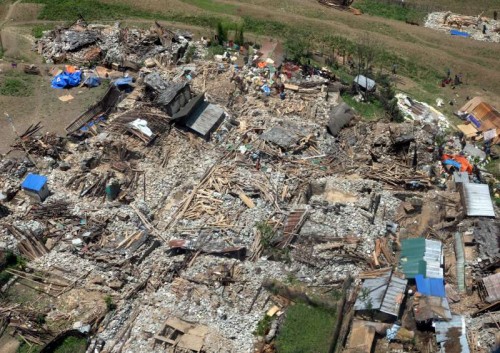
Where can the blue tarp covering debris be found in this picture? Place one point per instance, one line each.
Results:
(453, 163)
(430, 286)
(93, 81)
(34, 182)
(455, 32)
(66, 80)
(123, 82)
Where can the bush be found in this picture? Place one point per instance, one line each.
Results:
(110, 305)
(263, 326)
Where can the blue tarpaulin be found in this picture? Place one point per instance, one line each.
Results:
(453, 163)
(93, 81)
(474, 121)
(430, 286)
(123, 82)
(455, 32)
(66, 80)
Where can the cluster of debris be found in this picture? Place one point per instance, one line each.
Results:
(85, 44)
(174, 213)
(476, 27)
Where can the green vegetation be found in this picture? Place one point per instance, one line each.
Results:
(72, 345)
(267, 234)
(17, 84)
(213, 6)
(110, 304)
(11, 261)
(190, 53)
(26, 348)
(387, 10)
(38, 30)
(306, 330)
(263, 326)
(372, 110)
(387, 98)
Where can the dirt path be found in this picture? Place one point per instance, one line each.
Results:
(9, 13)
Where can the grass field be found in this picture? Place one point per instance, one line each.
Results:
(306, 330)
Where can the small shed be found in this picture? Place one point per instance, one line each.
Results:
(364, 83)
(35, 186)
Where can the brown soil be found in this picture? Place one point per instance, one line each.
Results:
(25, 12)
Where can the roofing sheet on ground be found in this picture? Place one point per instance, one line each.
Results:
(430, 286)
(477, 200)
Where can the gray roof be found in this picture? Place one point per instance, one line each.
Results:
(205, 119)
(365, 82)
(477, 200)
(461, 177)
(394, 296)
(433, 257)
(443, 332)
(384, 293)
(167, 96)
(283, 137)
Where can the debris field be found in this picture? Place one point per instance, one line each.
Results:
(159, 222)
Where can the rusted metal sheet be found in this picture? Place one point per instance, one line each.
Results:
(292, 226)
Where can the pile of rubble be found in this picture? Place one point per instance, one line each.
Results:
(175, 209)
(476, 27)
(82, 44)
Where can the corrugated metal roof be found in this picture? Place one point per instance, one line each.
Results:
(431, 308)
(384, 293)
(394, 296)
(372, 293)
(477, 200)
(460, 255)
(430, 286)
(365, 82)
(421, 256)
(451, 330)
(34, 182)
(492, 285)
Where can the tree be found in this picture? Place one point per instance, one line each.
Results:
(221, 33)
(297, 48)
(387, 97)
(239, 38)
(365, 52)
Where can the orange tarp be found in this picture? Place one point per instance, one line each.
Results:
(465, 166)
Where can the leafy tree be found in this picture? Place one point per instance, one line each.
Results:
(298, 48)
(221, 33)
(239, 37)
(387, 98)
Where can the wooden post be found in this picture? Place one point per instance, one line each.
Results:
(9, 119)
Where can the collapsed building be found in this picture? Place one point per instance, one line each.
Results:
(177, 201)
